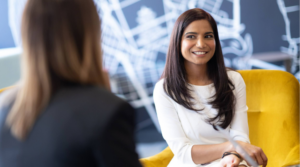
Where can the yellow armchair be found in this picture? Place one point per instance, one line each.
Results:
(273, 117)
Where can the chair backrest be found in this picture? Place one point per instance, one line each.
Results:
(273, 115)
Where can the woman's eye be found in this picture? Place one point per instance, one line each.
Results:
(191, 36)
(209, 36)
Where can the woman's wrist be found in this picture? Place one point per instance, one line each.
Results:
(232, 153)
(227, 147)
(230, 147)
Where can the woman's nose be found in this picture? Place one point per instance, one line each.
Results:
(201, 43)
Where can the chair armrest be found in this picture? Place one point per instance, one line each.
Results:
(161, 159)
(292, 158)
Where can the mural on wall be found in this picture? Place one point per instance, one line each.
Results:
(293, 42)
(134, 49)
(135, 35)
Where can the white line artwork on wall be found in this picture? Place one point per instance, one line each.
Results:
(134, 53)
(293, 48)
(130, 53)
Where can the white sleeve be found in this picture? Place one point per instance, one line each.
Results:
(239, 129)
(171, 126)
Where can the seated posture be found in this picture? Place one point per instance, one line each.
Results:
(196, 93)
(61, 113)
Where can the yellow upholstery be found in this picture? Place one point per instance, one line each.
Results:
(273, 117)
(161, 159)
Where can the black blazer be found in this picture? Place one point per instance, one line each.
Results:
(83, 126)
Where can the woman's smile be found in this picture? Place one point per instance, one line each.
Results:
(199, 53)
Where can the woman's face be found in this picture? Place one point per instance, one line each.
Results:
(198, 43)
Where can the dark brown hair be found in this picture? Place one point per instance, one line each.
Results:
(175, 76)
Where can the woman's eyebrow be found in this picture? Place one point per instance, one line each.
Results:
(190, 33)
(209, 32)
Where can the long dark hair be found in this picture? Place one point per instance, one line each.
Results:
(175, 76)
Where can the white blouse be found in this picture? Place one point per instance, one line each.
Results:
(182, 128)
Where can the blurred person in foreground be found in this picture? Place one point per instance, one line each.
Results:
(61, 113)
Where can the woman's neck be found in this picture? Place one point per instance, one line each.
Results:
(197, 74)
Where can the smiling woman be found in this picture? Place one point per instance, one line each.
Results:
(196, 93)
(195, 30)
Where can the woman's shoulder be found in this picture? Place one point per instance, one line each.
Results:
(234, 75)
(160, 82)
(159, 90)
(95, 94)
(94, 104)
(159, 85)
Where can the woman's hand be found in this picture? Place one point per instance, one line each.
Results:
(255, 152)
(230, 161)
